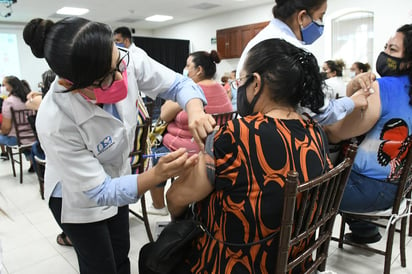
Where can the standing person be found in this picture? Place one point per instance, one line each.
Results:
(241, 203)
(123, 38)
(86, 125)
(335, 86)
(387, 125)
(201, 68)
(16, 100)
(300, 22)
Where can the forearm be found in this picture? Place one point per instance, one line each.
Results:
(336, 110)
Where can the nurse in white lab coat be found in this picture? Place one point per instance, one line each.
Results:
(86, 127)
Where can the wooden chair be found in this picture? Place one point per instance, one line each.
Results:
(309, 211)
(399, 212)
(138, 166)
(41, 168)
(223, 117)
(25, 138)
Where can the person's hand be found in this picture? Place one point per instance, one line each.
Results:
(174, 164)
(360, 98)
(200, 125)
(361, 81)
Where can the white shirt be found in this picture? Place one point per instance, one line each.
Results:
(332, 110)
(275, 29)
(335, 86)
(84, 144)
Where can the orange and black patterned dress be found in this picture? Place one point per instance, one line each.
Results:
(252, 156)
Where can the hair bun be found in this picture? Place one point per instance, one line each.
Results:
(215, 57)
(35, 33)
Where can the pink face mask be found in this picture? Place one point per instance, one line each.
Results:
(114, 94)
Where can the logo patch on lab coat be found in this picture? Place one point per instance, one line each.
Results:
(104, 144)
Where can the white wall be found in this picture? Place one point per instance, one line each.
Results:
(31, 67)
(388, 17)
(200, 32)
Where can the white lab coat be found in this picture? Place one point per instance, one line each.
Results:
(83, 143)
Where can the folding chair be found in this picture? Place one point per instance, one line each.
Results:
(222, 118)
(400, 210)
(309, 212)
(25, 138)
(138, 166)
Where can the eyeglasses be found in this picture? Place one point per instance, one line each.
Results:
(237, 82)
(107, 81)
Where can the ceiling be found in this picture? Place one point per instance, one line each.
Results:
(125, 12)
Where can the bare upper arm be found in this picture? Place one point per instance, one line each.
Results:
(359, 121)
(191, 187)
(5, 126)
(169, 110)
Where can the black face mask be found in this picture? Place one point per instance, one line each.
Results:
(244, 108)
(387, 65)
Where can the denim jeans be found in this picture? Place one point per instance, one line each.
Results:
(101, 247)
(36, 151)
(364, 194)
(8, 140)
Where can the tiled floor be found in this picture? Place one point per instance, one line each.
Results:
(28, 239)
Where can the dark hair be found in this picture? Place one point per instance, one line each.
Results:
(207, 61)
(286, 8)
(336, 66)
(406, 30)
(124, 32)
(363, 67)
(17, 87)
(47, 78)
(26, 85)
(291, 74)
(75, 48)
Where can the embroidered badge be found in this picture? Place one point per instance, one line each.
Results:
(104, 144)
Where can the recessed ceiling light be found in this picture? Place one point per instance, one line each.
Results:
(158, 18)
(72, 11)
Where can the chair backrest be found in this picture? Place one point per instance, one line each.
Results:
(24, 132)
(222, 118)
(405, 182)
(141, 146)
(309, 212)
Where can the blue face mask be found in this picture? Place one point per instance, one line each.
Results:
(311, 32)
(120, 45)
(185, 73)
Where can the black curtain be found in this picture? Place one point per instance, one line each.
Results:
(170, 52)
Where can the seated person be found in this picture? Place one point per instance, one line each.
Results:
(358, 68)
(33, 102)
(387, 125)
(242, 202)
(201, 68)
(335, 86)
(16, 100)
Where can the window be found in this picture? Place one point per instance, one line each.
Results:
(352, 38)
